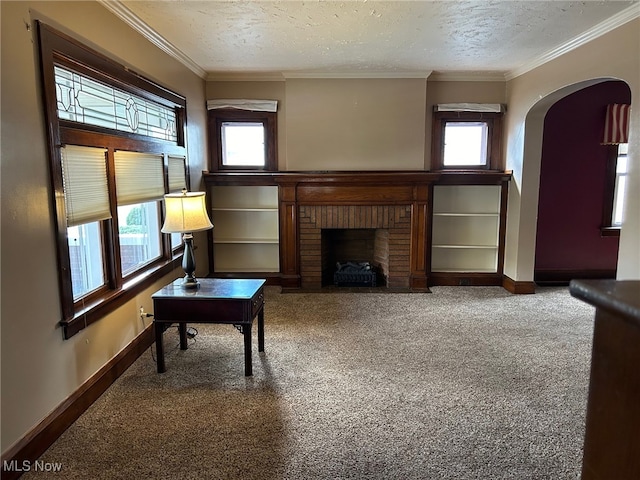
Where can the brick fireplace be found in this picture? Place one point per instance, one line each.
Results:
(390, 249)
(394, 205)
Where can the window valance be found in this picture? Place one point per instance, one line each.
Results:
(470, 107)
(244, 104)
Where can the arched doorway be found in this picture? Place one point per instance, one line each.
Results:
(571, 195)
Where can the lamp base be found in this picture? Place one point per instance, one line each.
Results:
(190, 282)
(189, 263)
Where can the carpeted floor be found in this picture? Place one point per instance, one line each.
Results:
(461, 383)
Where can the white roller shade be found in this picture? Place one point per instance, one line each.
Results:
(244, 104)
(86, 192)
(139, 177)
(177, 174)
(470, 107)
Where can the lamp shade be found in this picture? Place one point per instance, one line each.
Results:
(185, 212)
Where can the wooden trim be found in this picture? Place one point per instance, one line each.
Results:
(35, 442)
(215, 119)
(518, 287)
(464, 279)
(563, 277)
(116, 298)
(58, 48)
(396, 177)
(502, 233)
(494, 144)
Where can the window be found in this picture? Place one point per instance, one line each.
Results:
(116, 146)
(467, 140)
(243, 144)
(242, 140)
(616, 181)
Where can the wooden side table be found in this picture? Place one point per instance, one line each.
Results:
(231, 301)
(612, 436)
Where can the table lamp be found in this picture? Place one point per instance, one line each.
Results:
(186, 213)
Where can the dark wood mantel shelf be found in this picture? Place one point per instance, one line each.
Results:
(261, 177)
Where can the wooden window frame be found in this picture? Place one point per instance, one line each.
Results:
(57, 48)
(216, 117)
(494, 141)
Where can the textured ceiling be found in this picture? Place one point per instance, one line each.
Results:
(368, 37)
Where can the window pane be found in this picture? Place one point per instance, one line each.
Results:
(623, 149)
(139, 231)
(621, 163)
(465, 143)
(85, 252)
(618, 200)
(176, 240)
(243, 144)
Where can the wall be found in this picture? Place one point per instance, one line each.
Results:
(572, 186)
(356, 123)
(40, 369)
(614, 55)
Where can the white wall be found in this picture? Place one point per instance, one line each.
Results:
(614, 55)
(40, 369)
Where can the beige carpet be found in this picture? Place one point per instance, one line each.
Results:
(461, 383)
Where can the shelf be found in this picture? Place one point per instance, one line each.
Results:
(466, 199)
(246, 270)
(490, 247)
(238, 198)
(465, 270)
(453, 214)
(246, 257)
(242, 209)
(246, 240)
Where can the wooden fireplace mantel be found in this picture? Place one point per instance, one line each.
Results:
(412, 189)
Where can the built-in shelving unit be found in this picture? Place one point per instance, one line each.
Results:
(245, 234)
(466, 230)
(455, 235)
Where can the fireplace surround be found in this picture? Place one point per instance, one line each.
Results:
(393, 204)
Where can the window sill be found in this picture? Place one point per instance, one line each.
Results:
(609, 231)
(116, 298)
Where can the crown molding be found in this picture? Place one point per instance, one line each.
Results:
(626, 15)
(135, 22)
(467, 77)
(244, 77)
(356, 74)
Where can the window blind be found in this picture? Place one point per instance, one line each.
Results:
(84, 176)
(177, 174)
(139, 177)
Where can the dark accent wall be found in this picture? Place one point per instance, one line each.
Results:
(572, 187)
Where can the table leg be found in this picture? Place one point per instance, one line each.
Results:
(261, 330)
(182, 330)
(248, 365)
(159, 330)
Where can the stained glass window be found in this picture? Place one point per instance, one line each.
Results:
(84, 100)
